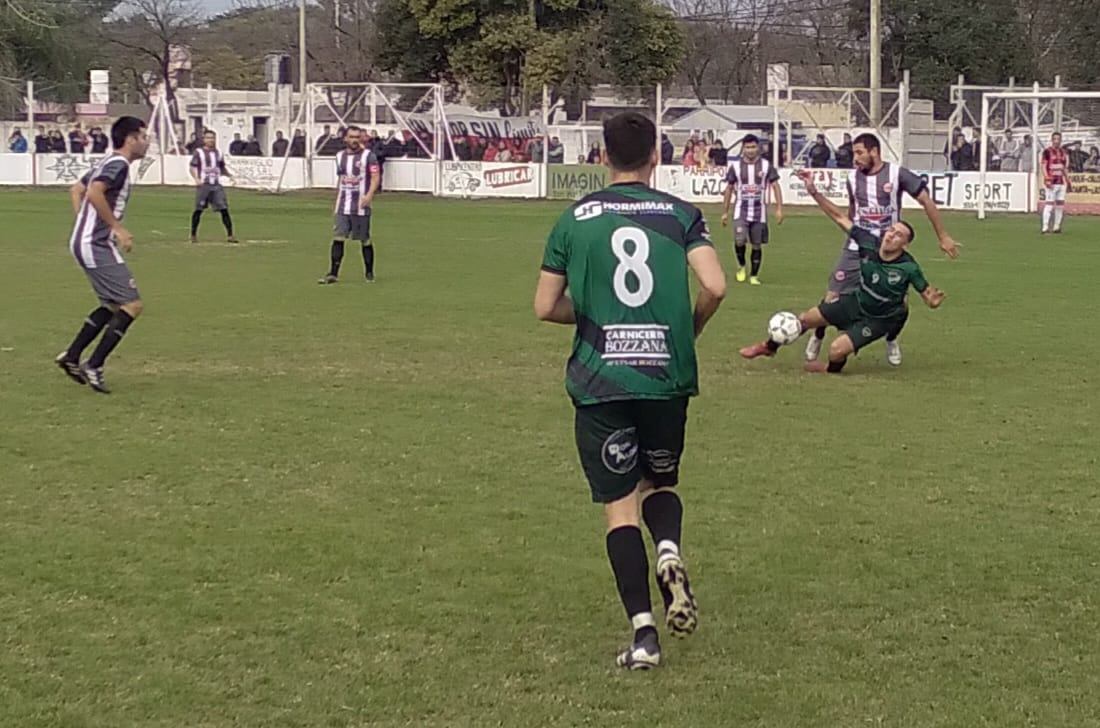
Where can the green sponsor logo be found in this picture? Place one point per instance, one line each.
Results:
(574, 181)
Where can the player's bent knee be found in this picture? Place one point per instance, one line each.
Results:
(840, 348)
(134, 308)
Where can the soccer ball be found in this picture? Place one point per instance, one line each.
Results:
(784, 328)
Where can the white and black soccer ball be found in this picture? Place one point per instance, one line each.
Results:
(784, 328)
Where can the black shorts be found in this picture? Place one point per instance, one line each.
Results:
(745, 233)
(352, 227)
(846, 315)
(620, 443)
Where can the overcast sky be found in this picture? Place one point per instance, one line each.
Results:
(216, 6)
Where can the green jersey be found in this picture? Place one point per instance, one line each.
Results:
(623, 251)
(883, 285)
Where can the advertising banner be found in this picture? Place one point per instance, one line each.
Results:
(1083, 197)
(574, 181)
(490, 179)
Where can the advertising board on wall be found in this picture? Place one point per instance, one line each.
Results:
(490, 179)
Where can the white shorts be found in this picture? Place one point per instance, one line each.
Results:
(1056, 193)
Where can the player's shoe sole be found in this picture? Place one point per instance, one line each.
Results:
(232, 239)
(327, 280)
(813, 348)
(71, 368)
(741, 275)
(681, 610)
(94, 377)
(644, 655)
(893, 353)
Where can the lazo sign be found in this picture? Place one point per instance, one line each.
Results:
(574, 181)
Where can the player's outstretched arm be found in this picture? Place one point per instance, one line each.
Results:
(933, 296)
(704, 262)
(551, 303)
(833, 212)
(947, 243)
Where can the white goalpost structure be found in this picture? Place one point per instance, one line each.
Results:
(408, 107)
(1044, 104)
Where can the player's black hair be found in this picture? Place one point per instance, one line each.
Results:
(869, 142)
(630, 140)
(912, 232)
(353, 127)
(209, 131)
(123, 128)
(750, 139)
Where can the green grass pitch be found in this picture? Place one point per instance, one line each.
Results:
(360, 505)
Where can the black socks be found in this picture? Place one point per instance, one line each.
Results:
(368, 258)
(228, 222)
(627, 554)
(663, 514)
(757, 257)
(740, 251)
(337, 257)
(196, 216)
(835, 367)
(92, 326)
(116, 329)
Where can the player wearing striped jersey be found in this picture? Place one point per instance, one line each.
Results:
(624, 254)
(752, 178)
(873, 310)
(358, 175)
(207, 169)
(97, 243)
(875, 192)
(1055, 166)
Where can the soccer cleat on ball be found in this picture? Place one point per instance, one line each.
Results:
(784, 328)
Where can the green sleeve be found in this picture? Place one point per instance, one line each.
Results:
(698, 233)
(555, 258)
(863, 238)
(917, 279)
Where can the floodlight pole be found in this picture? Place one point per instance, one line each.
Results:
(876, 61)
(302, 48)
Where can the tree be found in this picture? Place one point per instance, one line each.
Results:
(152, 33)
(504, 51)
(936, 40)
(43, 41)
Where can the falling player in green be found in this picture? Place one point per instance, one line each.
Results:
(875, 309)
(624, 254)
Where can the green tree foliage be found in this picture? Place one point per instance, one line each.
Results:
(45, 42)
(503, 51)
(936, 40)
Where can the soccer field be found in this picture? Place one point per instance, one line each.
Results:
(360, 505)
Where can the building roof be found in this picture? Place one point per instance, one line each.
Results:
(725, 116)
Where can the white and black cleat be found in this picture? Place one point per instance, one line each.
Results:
(893, 353)
(681, 611)
(95, 380)
(71, 368)
(644, 654)
(813, 347)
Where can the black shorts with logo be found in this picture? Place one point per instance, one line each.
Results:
(745, 233)
(847, 316)
(620, 443)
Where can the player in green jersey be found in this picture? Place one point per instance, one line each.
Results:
(624, 254)
(876, 308)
